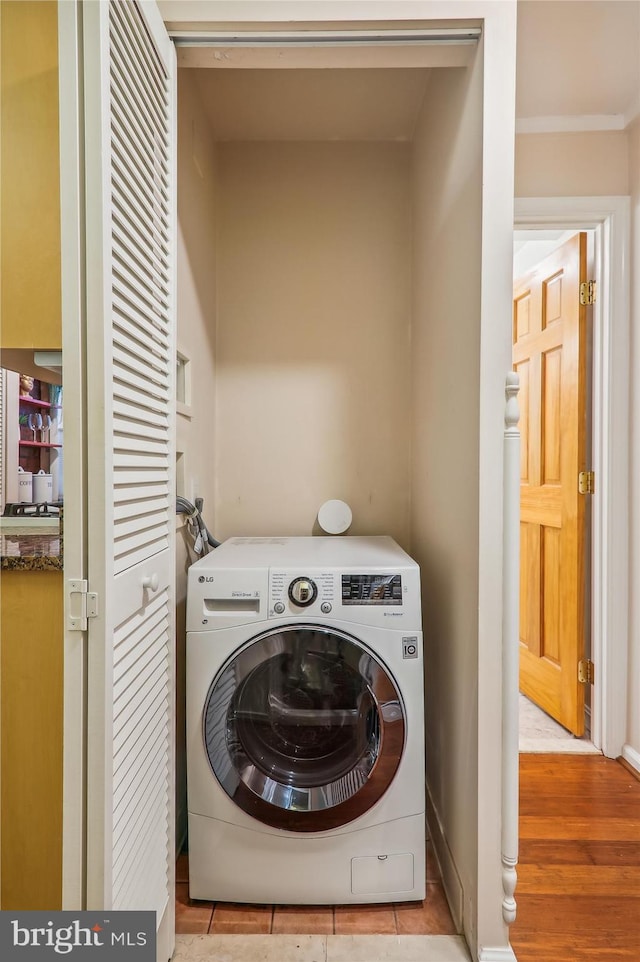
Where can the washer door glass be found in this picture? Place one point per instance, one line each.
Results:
(304, 728)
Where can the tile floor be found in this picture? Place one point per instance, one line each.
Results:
(321, 948)
(431, 917)
(540, 733)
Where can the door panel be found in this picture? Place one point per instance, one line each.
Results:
(549, 353)
(130, 189)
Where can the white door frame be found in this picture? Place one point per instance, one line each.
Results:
(609, 217)
(75, 407)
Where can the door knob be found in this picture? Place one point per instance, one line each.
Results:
(151, 582)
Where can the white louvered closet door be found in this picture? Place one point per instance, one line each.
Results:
(129, 72)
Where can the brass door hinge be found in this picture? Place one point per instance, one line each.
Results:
(586, 671)
(588, 292)
(586, 482)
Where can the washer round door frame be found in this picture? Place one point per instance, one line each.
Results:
(247, 728)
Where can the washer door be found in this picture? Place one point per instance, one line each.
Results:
(304, 728)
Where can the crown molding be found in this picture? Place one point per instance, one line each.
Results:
(572, 123)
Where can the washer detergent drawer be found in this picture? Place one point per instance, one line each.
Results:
(377, 874)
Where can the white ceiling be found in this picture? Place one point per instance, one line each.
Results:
(578, 58)
(337, 104)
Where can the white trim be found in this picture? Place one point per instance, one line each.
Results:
(609, 217)
(497, 955)
(450, 878)
(194, 14)
(9, 447)
(495, 360)
(74, 405)
(157, 30)
(95, 47)
(632, 756)
(570, 123)
(510, 645)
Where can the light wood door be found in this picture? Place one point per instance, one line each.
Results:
(549, 354)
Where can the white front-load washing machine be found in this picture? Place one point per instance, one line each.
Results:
(305, 722)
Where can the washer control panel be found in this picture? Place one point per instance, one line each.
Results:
(342, 594)
(365, 581)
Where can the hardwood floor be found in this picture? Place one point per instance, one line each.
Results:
(578, 888)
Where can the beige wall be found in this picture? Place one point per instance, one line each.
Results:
(572, 165)
(445, 441)
(313, 336)
(197, 224)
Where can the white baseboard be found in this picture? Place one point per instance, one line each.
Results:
(632, 756)
(497, 955)
(450, 878)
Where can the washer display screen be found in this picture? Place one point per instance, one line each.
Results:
(371, 590)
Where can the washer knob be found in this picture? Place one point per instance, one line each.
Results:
(303, 592)
(278, 607)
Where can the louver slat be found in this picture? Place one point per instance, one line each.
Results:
(132, 132)
(142, 261)
(152, 338)
(145, 367)
(144, 63)
(123, 411)
(137, 307)
(126, 500)
(133, 100)
(134, 276)
(146, 214)
(130, 772)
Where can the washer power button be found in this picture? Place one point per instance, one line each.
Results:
(278, 607)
